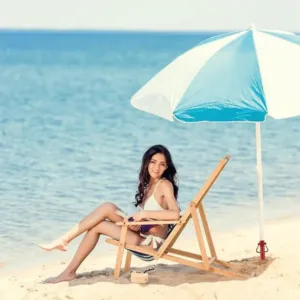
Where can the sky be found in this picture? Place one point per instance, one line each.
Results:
(162, 15)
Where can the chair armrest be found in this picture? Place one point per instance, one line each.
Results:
(149, 222)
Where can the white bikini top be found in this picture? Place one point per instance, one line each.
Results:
(151, 203)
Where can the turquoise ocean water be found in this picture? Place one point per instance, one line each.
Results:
(70, 140)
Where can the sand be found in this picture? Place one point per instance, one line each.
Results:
(276, 278)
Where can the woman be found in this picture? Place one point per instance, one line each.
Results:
(156, 198)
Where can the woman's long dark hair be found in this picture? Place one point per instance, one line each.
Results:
(170, 173)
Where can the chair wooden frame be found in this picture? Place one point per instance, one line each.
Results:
(209, 263)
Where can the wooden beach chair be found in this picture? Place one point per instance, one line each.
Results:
(200, 261)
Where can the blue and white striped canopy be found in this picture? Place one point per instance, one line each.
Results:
(240, 76)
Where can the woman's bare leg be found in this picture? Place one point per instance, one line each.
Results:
(88, 244)
(104, 211)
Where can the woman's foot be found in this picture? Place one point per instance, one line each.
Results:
(58, 245)
(64, 276)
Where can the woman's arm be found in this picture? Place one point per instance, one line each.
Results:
(160, 214)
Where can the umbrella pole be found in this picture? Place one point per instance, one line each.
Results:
(261, 248)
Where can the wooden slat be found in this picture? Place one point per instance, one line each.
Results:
(121, 244)
(198, 266)
(228, 273)
(142, 249)
(223, 263)
(127, 261)
(170, 240)
(207, 231)
(148, 251)
(211, 180)
(199, 236)
(149, 223)
(185, 253)
(210, 261)
(197, 256)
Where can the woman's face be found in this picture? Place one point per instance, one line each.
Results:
(157, 166)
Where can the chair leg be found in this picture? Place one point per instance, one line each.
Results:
(120, 252)
(128, 261)
(207, 231)
(199, 236)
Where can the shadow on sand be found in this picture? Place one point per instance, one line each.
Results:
(175, 274)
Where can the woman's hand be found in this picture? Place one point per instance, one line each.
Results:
(134, 227)
(138, 216)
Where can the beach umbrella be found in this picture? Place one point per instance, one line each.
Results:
(239, 76)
